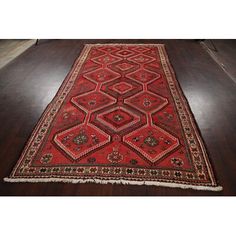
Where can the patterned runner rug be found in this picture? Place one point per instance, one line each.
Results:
(119, 117)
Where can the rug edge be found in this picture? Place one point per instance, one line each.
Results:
(193, 120)
(71, 70)
(120, 181)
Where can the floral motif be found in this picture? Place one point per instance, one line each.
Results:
(129, 171)
(136, 139)
(154, 172)
(147, 102)
(46, 158)
(118, 117)
(177, 162)
(92, 102)
(95, 139)
(133, 162)
(65, 115)
(190, 176)
(81, 139)
(178, 174)
(91, 159)
(115, 156)
(151, 141)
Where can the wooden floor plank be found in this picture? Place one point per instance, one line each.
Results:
(12, 48)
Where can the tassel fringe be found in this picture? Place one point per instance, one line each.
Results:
(120, 181)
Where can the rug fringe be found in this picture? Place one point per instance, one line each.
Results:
(120, 181)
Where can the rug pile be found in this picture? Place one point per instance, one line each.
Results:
(119, 117)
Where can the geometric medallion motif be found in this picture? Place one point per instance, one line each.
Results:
(93, 101)
(143, 76)
(124, 66)
(101, 75)
(106, 59)
(152, 141)
(80, 140)
(122, 87)
(119, 117)
(125, 53)
(147, 102)
(143, 59)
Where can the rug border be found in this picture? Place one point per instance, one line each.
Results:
(105, 181)
(192, 119)
(85, 50)
(47, 109)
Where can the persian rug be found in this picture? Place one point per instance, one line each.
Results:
(119, 117)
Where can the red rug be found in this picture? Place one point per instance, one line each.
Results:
(119, 117)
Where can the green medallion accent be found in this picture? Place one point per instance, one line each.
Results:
(151, 141)
(81, 139)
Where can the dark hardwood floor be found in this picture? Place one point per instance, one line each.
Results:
(224, 53)
(29, 83)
